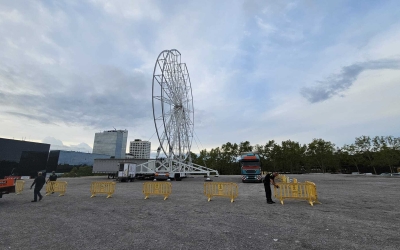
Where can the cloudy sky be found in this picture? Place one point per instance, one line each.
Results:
(260, 69)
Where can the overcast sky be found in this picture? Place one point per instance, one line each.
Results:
(260, 70)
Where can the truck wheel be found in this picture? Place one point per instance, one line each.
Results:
(177, 177)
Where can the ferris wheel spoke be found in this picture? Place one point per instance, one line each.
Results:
(164, 100)
(169, 94)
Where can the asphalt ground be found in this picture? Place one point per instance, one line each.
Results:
(357, 212)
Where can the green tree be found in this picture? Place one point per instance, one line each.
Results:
(230, 152)
(366, 149)
(293, 154)
(245, 147)
(321, 153)
(265, 152)
(277, 158)
(229, 157)
(350, 154)
(387, 151)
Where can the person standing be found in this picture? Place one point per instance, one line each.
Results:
(38, 182)
(52, 177)
(269, 180)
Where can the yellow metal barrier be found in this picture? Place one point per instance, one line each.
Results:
(312, 190)
(56, 186)
(295, 190)
(279, 178)
(224, 189)
(283, 178)
(157, 188)
(102, 187)
(19, 186)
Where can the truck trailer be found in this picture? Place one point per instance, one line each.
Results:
(111, 166)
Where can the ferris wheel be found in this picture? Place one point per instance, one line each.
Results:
(173, 105)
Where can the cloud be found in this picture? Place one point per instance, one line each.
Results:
(74, 68)
(110, 97)
(138, 9)
(338, 83)
(266, 27)
(39, 118)
(56, 144)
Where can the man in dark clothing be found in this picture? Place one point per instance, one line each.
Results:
(268, 180)
(38, 182)
(52, 177)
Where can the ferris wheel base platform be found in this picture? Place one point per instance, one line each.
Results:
(173, 169)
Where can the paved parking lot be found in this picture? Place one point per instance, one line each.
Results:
(357, 212)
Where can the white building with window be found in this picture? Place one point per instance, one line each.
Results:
(140, 149)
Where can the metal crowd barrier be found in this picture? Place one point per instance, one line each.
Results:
(283, 178)
(56, 186)
(102, 187)
(312, 190)
(19, 186)
(224, 189)
(157, 188)
(299, 191)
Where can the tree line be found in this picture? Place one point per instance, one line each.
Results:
(366, 155)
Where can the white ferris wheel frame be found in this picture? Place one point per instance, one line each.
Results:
(172, 103)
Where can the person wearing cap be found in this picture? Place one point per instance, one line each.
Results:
(269, 180)
(52, 177)
(38, 183)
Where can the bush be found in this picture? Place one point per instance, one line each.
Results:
(79, 171)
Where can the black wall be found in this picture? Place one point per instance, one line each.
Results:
(22, 157)
(52, 163)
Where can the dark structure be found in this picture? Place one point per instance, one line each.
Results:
(22, 158)
(62, 161)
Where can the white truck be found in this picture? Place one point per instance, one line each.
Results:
(126, 172)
